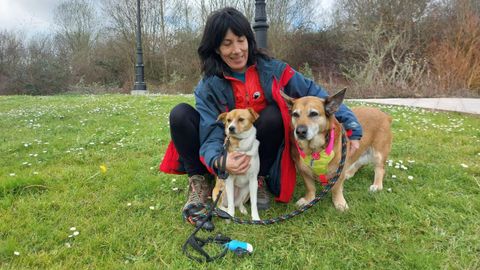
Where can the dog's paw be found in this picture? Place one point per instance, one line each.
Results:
(243, 210)
(341, 205)
(375, 188)
(302, 202)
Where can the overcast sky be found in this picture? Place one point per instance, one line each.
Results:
(31, 16)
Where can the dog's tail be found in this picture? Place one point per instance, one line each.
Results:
(390, 118)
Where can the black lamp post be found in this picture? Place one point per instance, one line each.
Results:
(260, 26)
(139, 88)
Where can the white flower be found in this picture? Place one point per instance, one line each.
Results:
(16, 253)
(389, 189)
(464, 165)
(35, 173)
(175, 189)
(174, 180)
(152, 207)
(75, 233)
(394, 176)
(411, 161)
(68, 245)
(410, 177)
(73, 229)
(12, 174)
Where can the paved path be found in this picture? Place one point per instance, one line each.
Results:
(464, 105)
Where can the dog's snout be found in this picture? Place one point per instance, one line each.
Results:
(301, 132)
(231, 129)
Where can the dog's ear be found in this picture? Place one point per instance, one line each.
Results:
(222, 116)
(254, 114)
(332, 103)
(288, 100)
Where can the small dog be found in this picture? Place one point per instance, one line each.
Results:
(314, 122)
(241, 136)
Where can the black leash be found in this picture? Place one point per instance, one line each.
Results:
(198, 243)
(205, 222)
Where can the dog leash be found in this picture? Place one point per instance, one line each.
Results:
(203, 221)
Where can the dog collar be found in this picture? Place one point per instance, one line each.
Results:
(319, 161)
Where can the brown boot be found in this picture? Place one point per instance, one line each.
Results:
(199, 190)
(263, 196)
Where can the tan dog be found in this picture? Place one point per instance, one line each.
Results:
(241, 135)
(312, 121)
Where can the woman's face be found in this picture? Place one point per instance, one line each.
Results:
(234, 51)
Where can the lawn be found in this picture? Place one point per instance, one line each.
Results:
(80, 188)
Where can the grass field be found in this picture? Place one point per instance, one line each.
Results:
(80, 189)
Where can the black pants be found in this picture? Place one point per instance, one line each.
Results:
(184, 122)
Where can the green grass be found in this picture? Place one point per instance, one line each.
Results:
(51, 149)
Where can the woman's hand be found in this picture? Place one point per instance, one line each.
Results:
(353, 146)
(237, 163)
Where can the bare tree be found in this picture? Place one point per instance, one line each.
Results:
(77, 24)
(77, 35)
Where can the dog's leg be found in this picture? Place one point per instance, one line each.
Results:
(240, 199)
(310, 190)
(364, 159)
(379, 162)
(230, 189)
(253, 186)
(337, 195)
(381, 148)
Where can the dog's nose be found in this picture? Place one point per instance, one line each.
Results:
(301, 132)
(231, 129)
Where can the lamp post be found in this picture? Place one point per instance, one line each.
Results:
(139, 88)
(260, 26)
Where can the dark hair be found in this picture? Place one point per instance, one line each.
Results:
(216, 28)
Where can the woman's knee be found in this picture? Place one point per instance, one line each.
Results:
(270, 119)
(182, 114)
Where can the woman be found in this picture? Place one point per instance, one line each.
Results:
(238, 75)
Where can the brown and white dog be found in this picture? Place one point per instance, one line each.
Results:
(241, 134)
(313, 120)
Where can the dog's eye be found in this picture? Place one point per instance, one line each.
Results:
(240, 120)
(295, 114)
(313, 114)
(229, 120)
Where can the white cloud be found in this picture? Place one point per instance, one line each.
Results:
(27, 15)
